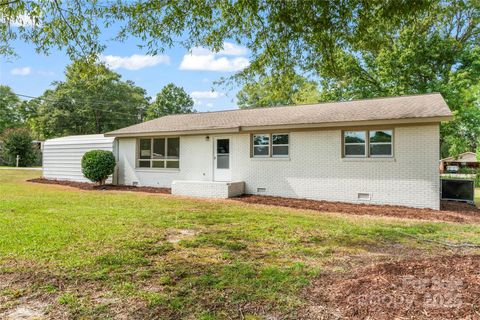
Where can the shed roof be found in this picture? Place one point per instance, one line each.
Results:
(80, 139)
(416, 108)
(470, 157)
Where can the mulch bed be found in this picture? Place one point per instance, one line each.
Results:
(445, 287)
(92, 186)
(451, 211)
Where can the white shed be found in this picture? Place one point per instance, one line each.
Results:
(62, 157)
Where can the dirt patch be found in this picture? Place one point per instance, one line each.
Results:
(175, 236)
(446, 287)
(92, 186)
(27, 311)
(451, 211)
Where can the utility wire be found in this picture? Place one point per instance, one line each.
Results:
(98, 109)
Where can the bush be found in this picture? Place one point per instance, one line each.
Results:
(18, 142)
(97, 165)
(467, 170)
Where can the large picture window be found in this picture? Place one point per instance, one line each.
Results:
(270, 145)
(159, 153)
(368, 143)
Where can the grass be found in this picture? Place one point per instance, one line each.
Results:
(116, 245)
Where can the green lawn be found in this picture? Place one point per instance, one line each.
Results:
(97, 254)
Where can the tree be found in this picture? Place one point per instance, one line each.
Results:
(92, 99)
(170, 100)
(463, 133)
(278, 90)
(279, 33)
(18, 142)
(9, 104)
(354, 48)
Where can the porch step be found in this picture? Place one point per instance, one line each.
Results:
(208, 189)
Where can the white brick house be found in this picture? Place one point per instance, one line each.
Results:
(381, 151)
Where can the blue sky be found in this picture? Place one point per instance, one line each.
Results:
(195, 71)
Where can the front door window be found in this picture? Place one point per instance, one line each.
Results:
(223, 153)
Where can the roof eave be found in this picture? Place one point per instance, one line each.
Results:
(172, 133)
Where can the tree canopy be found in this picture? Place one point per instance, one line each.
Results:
(9, 108)
(92, 99)
(351, 49)
(170, 100)
(272, 91)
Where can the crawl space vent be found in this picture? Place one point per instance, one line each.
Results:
(364, 196)
(261, 190)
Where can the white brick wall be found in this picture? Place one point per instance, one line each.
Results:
(315, 169)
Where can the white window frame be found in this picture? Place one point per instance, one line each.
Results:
(270, 145)
(355, 144)
(280, 145)
(368, 143)
(165, 160)
(261, 145)
(380, 143)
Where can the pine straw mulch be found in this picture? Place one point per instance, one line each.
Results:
(450, 211)
(445, 287)
(92, 186)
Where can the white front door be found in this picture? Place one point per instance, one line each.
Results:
(221, 160)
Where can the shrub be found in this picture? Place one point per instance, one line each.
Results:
(18, 142)
(466, 170)
(97, 165)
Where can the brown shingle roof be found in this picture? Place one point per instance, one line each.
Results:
(430, 107)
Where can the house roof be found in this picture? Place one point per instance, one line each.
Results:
(415, 108)
(463, 157)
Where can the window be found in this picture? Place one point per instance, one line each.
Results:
(378, 144)
(261, 145)
(279, 145)
(159, 153)
(355, 145)
(270, 145)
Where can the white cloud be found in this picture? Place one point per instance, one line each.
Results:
(202, 59)
(134, 62)
(211, 63)
(23, 20)
(24, 71)
(206, 94)
(232, 49)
